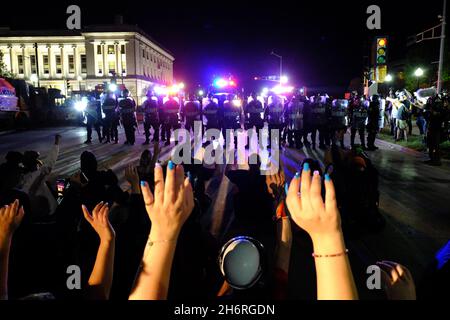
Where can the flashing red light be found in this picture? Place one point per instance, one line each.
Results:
(231, 83)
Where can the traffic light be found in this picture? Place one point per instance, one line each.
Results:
(68, 85)
(381, 53)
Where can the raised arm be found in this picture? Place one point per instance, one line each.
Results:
(100, 280)
(168, 210)
(51, 158)
(322, 222)
(10, 218)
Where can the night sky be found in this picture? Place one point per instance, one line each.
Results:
(323, 43)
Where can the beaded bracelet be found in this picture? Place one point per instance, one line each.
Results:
(151, 243)
(330, 255)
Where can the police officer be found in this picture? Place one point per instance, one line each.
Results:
(93, 118)
(318, 121)
(254, 111)
(294, 121)
(373, 118)
(338, 121)
(191, 112)
(171, 111)
(127, 107)
(109, 107)
(274, 115)
(435, 108)
(232, 116)
(211, 113)
(151, 117)
(358, 122)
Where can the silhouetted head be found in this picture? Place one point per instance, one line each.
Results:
(88, 163)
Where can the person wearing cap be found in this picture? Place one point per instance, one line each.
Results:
(36, 172)
(110, 124)
(127, 107)
(171, 110)
(93, 118)
(373, 117)
(151, 118)
(191, 112)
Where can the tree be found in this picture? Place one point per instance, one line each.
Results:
(4, 72)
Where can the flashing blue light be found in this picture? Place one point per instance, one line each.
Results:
(220, 83)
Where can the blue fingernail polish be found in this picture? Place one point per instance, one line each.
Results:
(297, 175)
(327, 177)
(189, 175)
(142, 183)
(171, 165)
(306, 166)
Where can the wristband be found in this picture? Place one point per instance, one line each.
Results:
(151, 243)
(314, 255)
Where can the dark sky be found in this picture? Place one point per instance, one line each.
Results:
(323, 43)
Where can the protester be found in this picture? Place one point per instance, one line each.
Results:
(10, 218)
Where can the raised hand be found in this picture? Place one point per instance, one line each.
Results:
(99, 220)
(171, 204)
(10, 218)
(397, 281)
(307, 208)
(322, 221)
(275, 184)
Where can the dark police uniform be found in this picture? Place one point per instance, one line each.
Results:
(373, 119)
(190, 113)
(151, 119)
(171, 111)
(294, 121)
(93, 118)
(338, 121)
(127, 108)
(274, 115)
(110, 123)
(359, 117)
(253, 115)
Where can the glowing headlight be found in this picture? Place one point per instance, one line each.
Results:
(81, 105)
(237, 102)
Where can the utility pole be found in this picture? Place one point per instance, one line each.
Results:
(441, 53)
(281, 65)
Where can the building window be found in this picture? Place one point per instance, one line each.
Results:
(122, 49)
(83, 63)
(46, 64)
(20, 63)
(71, 63)
(112, 67)
(100, 67)
(143, 53)
(58, 64)
(99, 49)
(110, 49)
(33, 64)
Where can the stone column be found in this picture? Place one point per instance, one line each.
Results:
(105, 67)
(50, 69)
(63, 60)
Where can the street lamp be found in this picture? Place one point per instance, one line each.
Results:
(281, 65)
(284, 80)
(418, 73)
